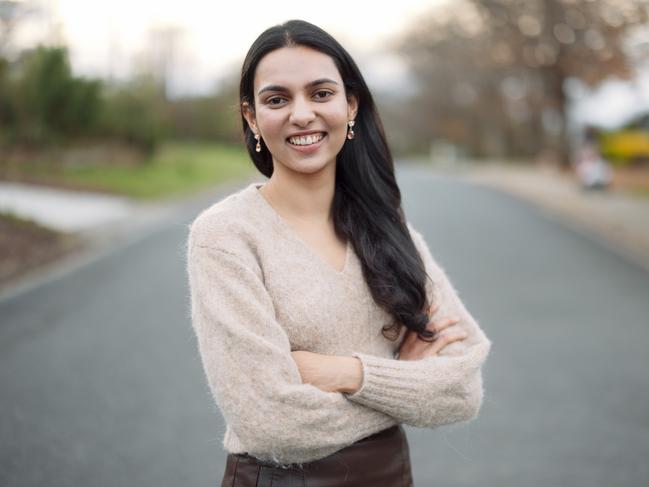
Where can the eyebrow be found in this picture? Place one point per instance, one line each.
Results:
(308, 85)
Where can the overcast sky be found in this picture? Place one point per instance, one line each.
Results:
(105, 38)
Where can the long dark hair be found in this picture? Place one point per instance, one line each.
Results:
(366, 206)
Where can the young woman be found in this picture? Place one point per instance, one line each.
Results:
(323, 321)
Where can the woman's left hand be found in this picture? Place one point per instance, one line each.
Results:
(329, 373)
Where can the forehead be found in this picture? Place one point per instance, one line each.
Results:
(293, 67)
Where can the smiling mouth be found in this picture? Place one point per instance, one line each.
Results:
(306, 140)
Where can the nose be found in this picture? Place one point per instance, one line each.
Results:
(302, 113)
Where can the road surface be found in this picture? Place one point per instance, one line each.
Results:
(102, 384)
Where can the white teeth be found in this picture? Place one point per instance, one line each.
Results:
(306, 140)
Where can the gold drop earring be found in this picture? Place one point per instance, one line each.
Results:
(258, 146)
(350, 134)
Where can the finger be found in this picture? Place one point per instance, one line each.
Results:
(447, 339)
(408, 339)
(441, 325)
(438, 344)
(409, 336)
(432, 309)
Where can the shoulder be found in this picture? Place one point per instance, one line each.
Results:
(431, 264)
(417, 239)
(414, 233)
(229, 224)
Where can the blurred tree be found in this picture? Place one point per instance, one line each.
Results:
(215, 117)
(494, 72)
(45, 108)
(159, 56)
(227, 109)
(6, 107)
(135, 112)
(11, 12)
(53, 101)
(41, 99)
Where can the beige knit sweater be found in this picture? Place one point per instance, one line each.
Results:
(258, 292)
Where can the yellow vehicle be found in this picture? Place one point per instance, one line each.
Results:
(627, 145)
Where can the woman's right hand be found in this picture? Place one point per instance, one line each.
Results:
(413, 348)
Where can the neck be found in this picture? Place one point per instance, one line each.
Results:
(301, 197)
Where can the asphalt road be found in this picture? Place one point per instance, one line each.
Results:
(102, 384)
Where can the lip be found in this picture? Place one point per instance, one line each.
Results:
(308, 149)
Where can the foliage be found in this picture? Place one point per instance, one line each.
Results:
(42, 101)
(214, 117)
(135, 113)
(42, 104)
(493, 73)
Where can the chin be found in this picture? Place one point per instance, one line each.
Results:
(308, 167)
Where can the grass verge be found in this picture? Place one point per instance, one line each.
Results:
(177, 168)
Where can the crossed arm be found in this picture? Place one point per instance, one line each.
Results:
(339, 373)
(280, 417)
(444, 386)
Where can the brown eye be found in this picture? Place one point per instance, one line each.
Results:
(323, 92)
(271, 101)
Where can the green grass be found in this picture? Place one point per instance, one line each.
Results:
(177, 168)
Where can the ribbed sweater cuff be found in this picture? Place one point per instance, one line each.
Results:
(410, 389)
(386, 381)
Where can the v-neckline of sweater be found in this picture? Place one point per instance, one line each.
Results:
(254, 188)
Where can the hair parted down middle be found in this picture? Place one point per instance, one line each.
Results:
(366, 207)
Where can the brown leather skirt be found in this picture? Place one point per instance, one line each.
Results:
(380, 460)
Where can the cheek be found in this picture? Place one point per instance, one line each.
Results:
(337, 117)
(270, 124)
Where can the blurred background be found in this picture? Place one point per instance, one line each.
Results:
(140, 99)
(120, 119)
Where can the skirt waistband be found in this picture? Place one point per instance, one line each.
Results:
(381, 459)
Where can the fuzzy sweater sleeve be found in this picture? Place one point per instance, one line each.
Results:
(253, 378)
(437, 390)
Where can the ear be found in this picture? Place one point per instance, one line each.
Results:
(352, 107)
(249, 115)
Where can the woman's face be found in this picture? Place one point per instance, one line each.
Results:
(298, 90)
